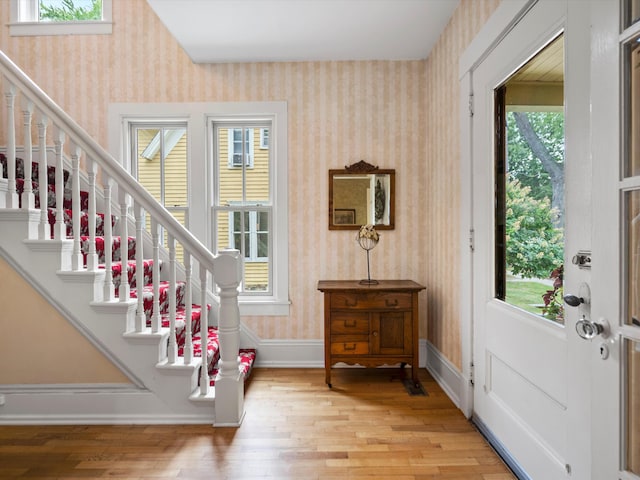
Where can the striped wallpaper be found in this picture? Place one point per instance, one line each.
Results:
(393, 114)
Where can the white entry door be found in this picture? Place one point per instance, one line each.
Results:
(615, 356)
(531, 391)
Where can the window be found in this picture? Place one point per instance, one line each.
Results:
(60, 17)
(240, 146)
(243, 207)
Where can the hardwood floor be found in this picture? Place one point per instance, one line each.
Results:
(366, 427)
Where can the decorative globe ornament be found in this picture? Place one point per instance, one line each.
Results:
(368, 238)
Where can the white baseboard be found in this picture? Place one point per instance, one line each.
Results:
(93, 404)
(445, 373)
(301, 353)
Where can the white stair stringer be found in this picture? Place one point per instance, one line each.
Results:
(158, 392)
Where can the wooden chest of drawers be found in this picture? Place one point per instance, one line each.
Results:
(370, 325)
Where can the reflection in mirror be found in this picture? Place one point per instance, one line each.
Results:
(359, 195)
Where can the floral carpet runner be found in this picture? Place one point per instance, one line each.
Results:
(246, 356)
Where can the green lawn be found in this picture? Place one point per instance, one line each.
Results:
(526, 295)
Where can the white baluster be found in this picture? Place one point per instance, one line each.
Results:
(60, 229)
(12, 195)
(141, 320)
(44, 231)
(124, 291)
(76, 256)
(188, 338)
(156, 318)
(204, 332)
(108, 240)
(172, 352)
(92, 256)
(28, 199)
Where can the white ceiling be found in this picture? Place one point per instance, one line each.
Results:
(223, 31)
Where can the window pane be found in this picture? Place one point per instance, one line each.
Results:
(59, 11)
(149, 162)
(632, 206)
(229, 177)
(530, 185)
(257, 177)
(632, 102)
(631, 12)
(632, 380)
(174, 151)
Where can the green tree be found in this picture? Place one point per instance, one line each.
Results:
(535, 146)
(534, 246)
(69, 11)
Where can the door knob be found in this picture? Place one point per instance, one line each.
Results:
(573, 300)
(588, 329)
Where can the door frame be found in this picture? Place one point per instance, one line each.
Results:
(502, 21)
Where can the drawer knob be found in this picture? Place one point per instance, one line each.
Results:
(375, 334)
(348, 346)
(351, 303)
(391, 303)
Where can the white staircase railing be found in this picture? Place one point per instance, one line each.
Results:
(105, 176)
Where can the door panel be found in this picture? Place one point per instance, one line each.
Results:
(528, 390)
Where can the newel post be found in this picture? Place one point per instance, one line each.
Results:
(229, 403)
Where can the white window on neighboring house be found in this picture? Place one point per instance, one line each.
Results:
(240, 146)
(255, 241)
(60, 17)
(264, 138)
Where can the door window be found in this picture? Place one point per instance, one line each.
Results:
(530, 185)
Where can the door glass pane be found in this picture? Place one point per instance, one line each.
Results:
(631, 12)
(632, 447)
(530, 185)
(632, 207)
(632, 110)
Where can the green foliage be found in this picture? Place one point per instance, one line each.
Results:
(534, 246)
(522, 164)
(553, 301)
(68, 11)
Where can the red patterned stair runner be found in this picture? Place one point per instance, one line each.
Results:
(246, 356)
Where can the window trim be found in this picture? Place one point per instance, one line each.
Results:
(199, 117)
(24, 21)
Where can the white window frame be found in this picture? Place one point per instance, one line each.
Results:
(199, 117)
(24, 21)
(248, 152)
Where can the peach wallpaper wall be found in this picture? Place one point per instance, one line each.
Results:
(401, 115)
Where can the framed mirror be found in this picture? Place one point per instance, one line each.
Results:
(361, 194)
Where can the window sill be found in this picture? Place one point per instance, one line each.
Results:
(27, 29)
(263, 308)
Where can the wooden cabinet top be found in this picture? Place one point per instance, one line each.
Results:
(356, 286)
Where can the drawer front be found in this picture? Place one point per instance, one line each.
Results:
(349, 322)
(349, 344)
(371, 300)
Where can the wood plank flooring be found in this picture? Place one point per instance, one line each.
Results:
(366, 427)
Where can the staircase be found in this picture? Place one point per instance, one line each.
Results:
(175, 337)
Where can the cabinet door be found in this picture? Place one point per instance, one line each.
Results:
(391, 333)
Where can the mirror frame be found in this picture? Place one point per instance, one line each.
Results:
(361, 168)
